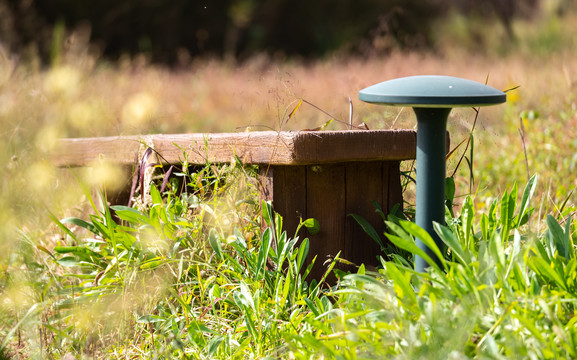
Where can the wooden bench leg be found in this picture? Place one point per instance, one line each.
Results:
(329, 193)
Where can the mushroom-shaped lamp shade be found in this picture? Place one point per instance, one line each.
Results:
(432, 91)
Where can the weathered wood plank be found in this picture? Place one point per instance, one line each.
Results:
(365, 184)
(264, 147)
(326, 203)
(395, 190)
(290, 195)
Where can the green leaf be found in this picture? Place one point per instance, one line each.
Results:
(302, 254)
(484, 224)
(313, 226)
(79, 222)
(68, 261)
(424, 236)
(267, 212)
(131, 215)
(152, 263)
(539, 266)
(569, 239)
(448, 237)
(527, 195)
(81, 252)
(61, 226)
(505, 208)
(402, 285)
(214, 241)
(214, 344)
(561, 240)
(368, 229)
(410, 246)
(155, 195)
(312, 306)
(266, 240)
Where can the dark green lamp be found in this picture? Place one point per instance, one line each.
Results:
(432, 98)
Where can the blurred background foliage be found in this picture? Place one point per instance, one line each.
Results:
(173, 31)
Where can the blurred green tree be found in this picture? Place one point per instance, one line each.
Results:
(237, 28)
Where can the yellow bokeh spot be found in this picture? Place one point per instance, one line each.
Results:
(82, 115)
(139, 109)
(63, 80)
(47, 138)
(41, 175)
(105, 174)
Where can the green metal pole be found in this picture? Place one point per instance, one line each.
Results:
(431, 152)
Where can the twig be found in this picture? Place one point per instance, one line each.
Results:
(522, 133)
(477, 110)
(350, 114)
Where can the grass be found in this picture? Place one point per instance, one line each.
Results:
(212, 273)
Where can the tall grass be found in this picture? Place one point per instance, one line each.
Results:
(207, 271)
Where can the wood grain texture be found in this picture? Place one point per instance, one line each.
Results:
(326, 203)
(290, 195)
(364, 184)
(264, 147)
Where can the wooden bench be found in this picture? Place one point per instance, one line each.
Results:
(325, 175)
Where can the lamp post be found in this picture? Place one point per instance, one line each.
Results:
(432, 98)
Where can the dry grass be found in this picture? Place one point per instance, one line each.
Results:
(84, 96)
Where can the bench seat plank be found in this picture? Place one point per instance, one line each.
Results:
(263, 147)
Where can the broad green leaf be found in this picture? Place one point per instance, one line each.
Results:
(68, 261)
(61, 226)
(131, 215)
(410, 246)
(152, 263)
(302, 254)
(155, 195)
(267, 212)
(79, 222)
(103, 230)
(214, 241)
(496, 251)
(312, 306)
(527, 195)
(484, 224)
(402, 286)
(505, 209)
(569, 239)
(514, 252)
(313, 226)
(539, 266)
(561, 240)
(266, 240)
(368, 229)
(213, 344)
(448, 237)
(80, 252)
(425, 238)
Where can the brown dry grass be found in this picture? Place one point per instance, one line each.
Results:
(83, 96)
